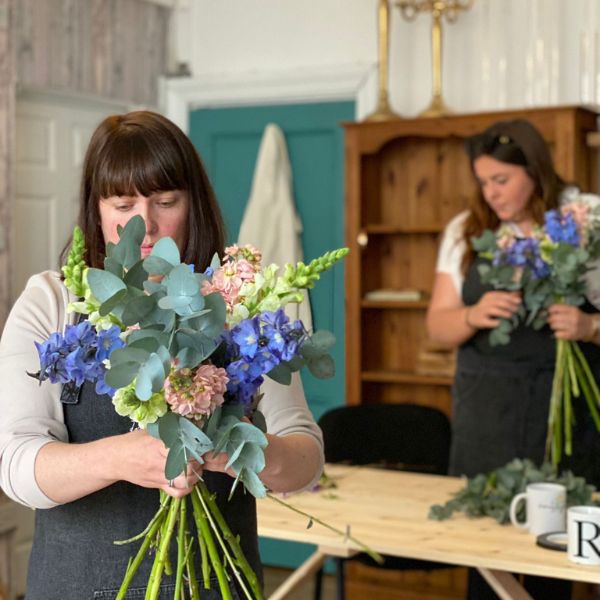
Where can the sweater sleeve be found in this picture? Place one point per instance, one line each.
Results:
(286, 412)
(31, 413)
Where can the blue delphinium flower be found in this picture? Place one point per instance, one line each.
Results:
(78, 355)
(561, 228)
(256, 346)
(246, 335)
(526, 254)
(108, 340)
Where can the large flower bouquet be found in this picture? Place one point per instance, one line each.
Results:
(549, 267)
(183, 355)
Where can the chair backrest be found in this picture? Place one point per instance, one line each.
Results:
(402, 436)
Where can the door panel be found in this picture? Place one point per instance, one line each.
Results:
(52, 134)
(228, 141)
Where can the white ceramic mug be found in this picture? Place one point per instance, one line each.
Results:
(583, 534)
(545, 508)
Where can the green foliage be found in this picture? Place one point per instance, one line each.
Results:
(490, 495)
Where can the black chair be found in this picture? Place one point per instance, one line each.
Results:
(406, 437)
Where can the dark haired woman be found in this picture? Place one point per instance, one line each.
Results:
(501, 393)
(74, 456)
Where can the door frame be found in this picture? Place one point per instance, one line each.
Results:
(180, 95)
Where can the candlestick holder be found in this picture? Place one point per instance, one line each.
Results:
(449, 10)
(383, 110)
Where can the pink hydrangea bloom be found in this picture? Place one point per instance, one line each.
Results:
(196, 392)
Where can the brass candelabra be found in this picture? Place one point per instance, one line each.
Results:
(383, 110)
(448, 9)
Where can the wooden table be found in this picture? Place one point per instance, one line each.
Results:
(387, 510)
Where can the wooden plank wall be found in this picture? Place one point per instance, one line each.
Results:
(115, 49)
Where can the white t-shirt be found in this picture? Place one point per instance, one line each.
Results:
(31, 415)
(452, 247)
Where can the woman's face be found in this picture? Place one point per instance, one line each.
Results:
(506, 188)
(164, 213)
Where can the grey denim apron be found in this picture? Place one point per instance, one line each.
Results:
(73, 555)
(501, 399)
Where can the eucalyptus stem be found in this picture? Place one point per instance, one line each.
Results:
(568, 387)
(241, 561)
(139, 557)
(181, 535)
(590, 376)
(587, 392)
(164, 504)
(372, 553)
(191, 572)
(553, 437)
(162, 553)
(204, 531)
(204, 563)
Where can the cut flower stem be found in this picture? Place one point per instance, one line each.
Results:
(572, 378)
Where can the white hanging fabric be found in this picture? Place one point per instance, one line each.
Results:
(270, 221)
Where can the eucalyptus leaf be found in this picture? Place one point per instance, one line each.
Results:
(194, 439)
(111, 304)
(129, 354)
(176, 461)
(103, 284)
(322, 367)
(155, 265)
(281, 373)
(150, 377)
(127, 250)
(136, 276)
(167, 250)
(121, 375)
(138, 308)
(253, 483)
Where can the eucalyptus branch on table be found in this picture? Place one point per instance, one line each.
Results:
(490, 495)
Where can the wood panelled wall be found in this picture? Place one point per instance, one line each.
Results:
(115, 49)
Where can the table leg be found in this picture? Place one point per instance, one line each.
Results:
(312, 564)
(504, 584)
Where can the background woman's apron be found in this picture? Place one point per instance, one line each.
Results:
(73, 555)
(501, 399)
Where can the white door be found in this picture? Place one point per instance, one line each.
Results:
(52, 134)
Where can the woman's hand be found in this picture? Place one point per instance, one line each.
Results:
(142, 462)
(492, 307)
(569, 322)
(217, 463)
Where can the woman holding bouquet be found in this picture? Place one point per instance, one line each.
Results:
(67, 451)
(501, 393)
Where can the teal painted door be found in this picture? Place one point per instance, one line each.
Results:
(228, 142)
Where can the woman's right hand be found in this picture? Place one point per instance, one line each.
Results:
(492, 307)
(141, 459)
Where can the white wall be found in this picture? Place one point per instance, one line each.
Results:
(501, 54)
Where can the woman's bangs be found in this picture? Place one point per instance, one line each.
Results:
(132, 166)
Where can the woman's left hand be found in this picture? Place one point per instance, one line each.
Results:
(569, 322)
(217, 462)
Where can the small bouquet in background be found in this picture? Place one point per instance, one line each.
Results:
(549, 267)
(183, 355)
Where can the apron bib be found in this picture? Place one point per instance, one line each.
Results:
(73, 555)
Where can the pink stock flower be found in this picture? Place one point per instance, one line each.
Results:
(196, 392)
(240, 265)
(580, 212)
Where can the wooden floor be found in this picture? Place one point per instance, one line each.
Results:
(275, 576)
